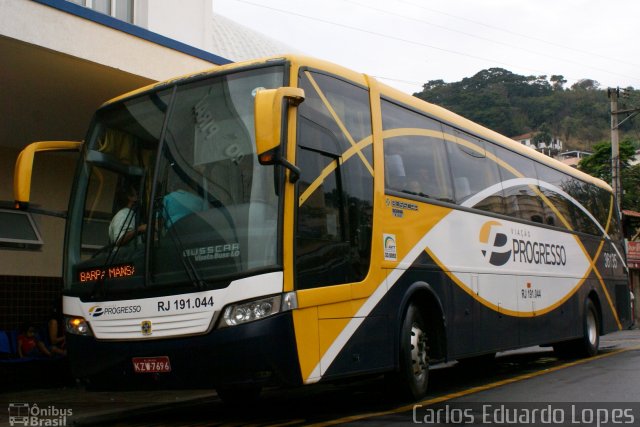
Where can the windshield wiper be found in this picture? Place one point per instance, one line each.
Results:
(187, 264)
(113, 249)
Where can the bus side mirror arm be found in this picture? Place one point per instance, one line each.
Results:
(294, 171)
(24, 167)
(269, 119)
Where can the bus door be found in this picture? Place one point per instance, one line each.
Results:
(334, 214)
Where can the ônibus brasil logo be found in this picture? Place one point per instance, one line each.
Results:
(494, 243)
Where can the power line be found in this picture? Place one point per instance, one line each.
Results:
(527, 36)
(417, 43)
(488, 39)
(387, 36)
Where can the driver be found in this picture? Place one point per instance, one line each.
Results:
(122, 228)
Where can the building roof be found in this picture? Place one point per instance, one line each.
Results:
(570, 161)
(628, 212)
(525, 136)
(239, 43)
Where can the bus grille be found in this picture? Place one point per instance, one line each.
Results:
(159, 327)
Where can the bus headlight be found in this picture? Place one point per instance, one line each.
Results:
(77, 326)
(243, 312)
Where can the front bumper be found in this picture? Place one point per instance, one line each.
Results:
(256, 353)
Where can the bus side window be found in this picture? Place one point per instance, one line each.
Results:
(474, 172)
(395, 175)
(523, 200)
(415, 162)
(579, 191)
(462, 187)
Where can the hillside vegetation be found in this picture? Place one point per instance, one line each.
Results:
(513, 105)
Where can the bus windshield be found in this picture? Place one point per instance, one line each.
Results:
(171, 193)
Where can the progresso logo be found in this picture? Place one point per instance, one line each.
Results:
(97, 311)
(498, 247)
(494, 242)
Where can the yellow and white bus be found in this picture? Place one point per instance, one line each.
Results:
(290, 221)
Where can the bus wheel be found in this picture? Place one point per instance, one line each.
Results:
(413, 376)
(588, 345)
(591, 337)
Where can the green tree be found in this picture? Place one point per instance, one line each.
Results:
(543, 135)
(557, 81)
(599, 165)
(514, 104)
(631, 188)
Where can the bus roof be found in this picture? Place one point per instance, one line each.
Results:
(430, 109)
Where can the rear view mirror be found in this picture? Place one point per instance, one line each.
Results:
(268, 124)
(24, 165)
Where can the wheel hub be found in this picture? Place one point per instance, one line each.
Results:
(592, 329)
(418, 351)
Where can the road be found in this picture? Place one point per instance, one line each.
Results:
(524, 383)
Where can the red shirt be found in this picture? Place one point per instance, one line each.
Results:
(27, 345)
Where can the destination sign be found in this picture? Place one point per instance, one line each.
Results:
(100, 273)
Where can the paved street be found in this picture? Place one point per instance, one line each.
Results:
(521, 380)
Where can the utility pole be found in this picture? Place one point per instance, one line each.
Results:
(614, 94)
(615, 145)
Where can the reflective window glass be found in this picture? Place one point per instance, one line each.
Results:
(473, 172)
(416, 159)
(335, 189)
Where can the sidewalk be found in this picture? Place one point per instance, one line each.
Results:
(45, 389)
(84, 408)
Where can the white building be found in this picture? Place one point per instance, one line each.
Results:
(548, 148)
(61, 59)
(572, 158)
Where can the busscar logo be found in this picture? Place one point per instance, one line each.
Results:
(493, 241)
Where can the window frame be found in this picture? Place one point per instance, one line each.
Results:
(345, 240)
(112, 9)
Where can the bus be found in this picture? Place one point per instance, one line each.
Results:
(288, 221)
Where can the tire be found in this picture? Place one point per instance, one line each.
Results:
(588, 345)
(412, 378)
(590, 342)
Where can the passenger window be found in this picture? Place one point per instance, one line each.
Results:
(521, 191)
(416, 165)
(578, 190)
(416, 161)
(473, 172)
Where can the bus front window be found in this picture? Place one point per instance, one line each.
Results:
(216, 206)
(110, 206)
(195, 208)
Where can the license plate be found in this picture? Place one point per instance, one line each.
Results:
(145, 365)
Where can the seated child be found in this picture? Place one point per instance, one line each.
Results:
(30, 344)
